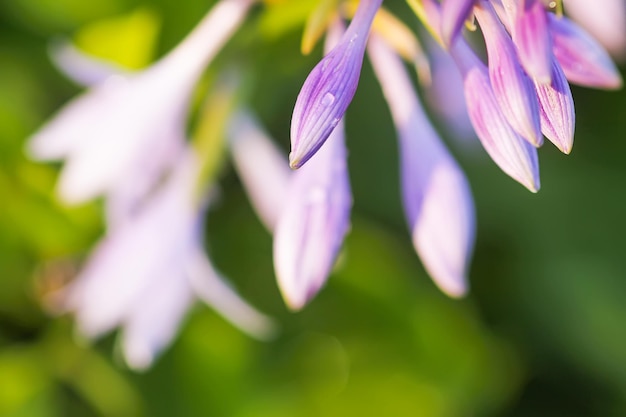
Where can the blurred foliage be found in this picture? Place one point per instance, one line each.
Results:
(542, 333)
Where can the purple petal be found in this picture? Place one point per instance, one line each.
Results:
(557, 110)
(329, 88)
(507, 148)
(583, 60)
(454, 13)
(513, 89)
(437, 198)
(531, 36)
(313, 224)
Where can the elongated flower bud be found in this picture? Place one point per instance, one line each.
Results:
(313, 223)
(507, 148)
(557, 110)
(315, 219)
(437, 198)
(531, 36)
(329, 88)
(454, 13)
(583, 59)
(512, 87)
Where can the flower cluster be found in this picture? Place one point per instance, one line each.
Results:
(125, 139)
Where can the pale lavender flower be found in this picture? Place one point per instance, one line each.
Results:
(437, 197)
(514, 155)
(513, 88)
(329, 88)
(454, 13)
(105, 133)
(583, 60)
(605, 20)
(145, 273)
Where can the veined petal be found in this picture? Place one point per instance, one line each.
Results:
(582, 58)
(557, 110)
(313, 223)
(454, 13)
(507, 148)
(261, 166)
(436, 194)
(513, 89)
(531, 36)
(329, 88)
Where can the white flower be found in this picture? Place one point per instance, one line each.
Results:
(145, 273)
(106, 133)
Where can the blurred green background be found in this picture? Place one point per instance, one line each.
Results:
(542, 333)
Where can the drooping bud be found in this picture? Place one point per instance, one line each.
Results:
(329, 88)
(531, 36)
(436, 195)
(513, 88)
(557, 110)
(507, 148)
(315, 218)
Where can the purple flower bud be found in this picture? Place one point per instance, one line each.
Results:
(329, 88)
(557, 110)
(513, 89)
(507, 148)
(437, 198)
(583, 60)
(531, 36)
(313, 224)
(454, 13)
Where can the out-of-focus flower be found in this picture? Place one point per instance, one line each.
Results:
(454, 13)
(329, 88)
(437, 198)
(105, 133)
(605, 20)
(581, 57)
(144, 274)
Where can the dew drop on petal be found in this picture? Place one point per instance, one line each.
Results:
(328, 99)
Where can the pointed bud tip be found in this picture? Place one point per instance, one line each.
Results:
(456, 289)
(295, 161)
